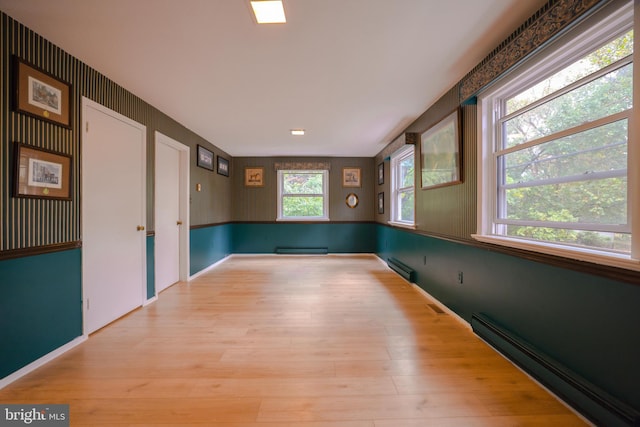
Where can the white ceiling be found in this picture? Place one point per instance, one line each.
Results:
(353, 73)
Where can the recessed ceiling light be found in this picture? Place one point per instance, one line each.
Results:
(297, 132)
(268, 11)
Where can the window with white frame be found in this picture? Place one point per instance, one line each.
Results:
(402, 186)
(303, 195)
(555, 146)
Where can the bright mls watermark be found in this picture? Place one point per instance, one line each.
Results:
(34, 415)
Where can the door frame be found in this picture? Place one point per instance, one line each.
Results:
(183, 249)
(87, 103)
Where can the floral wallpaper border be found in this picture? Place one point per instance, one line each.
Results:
(550, 20)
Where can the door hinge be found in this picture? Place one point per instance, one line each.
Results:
(88, 305)
(87, 127)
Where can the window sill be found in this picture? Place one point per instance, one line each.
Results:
(303, 219)
(402, 225)
(587, 255)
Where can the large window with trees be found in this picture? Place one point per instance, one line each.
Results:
(303, 195)
(556, 145)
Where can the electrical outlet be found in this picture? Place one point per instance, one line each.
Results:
(460, 277)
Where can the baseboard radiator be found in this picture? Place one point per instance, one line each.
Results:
(591, 401)
(402, 269)
(301, 251)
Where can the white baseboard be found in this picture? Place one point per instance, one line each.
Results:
(443, 307)
(41, 361)
(206, 269)
(434, 300)
(150, 301)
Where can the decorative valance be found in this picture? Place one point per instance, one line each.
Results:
(548, 22)
(399, 142)
(411, 138)
(302, 166)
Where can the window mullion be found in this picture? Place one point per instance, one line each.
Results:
(563, 133)
(587, 79)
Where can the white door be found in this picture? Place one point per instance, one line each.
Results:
(113, 215)
(167, 215)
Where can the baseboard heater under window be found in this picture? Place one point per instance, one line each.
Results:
(590, 400)
(302, 251)
(402, 269)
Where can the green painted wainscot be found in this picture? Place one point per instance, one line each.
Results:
(559, 324)
(40, 306)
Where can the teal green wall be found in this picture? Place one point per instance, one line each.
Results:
(588, 323)
(41, 306)
(151, 267)
(208, 245)
(356, 237)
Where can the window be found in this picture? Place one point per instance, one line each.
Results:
(303, 195)
(402, 186)
(556, 147)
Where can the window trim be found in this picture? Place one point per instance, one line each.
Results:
(325, 196)
(397, 157)
(546, 62)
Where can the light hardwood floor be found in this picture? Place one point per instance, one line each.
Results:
(282, 341)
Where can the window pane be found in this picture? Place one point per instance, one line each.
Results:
(302, 183)
(405, 199)
(606, 55)
(609, 94)
(602, 201)
(596, 150)
(618, 242)
(406, 172)
(302, 206)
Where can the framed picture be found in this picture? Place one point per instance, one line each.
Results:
(351, 177)
(205, 158)
(381, 173)
(223, 166)
(380, 203)
(254, 177)
(440, 153)
(41, 173)
(352, 200)
(41, 95)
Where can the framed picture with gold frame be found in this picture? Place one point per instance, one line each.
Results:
(40, 94)
(41, 173)
(351, 177)
(254, 177)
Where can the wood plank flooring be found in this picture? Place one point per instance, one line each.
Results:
(282, 341)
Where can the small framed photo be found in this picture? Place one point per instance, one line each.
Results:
(254, 177)
(381, 203)
(205, 158)
(351, 177)
(41, 95)
(381, 173)
(41, 173)
(223, 166)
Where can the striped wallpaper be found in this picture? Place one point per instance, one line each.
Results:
(29, 223)
(450, 210)
(36, 223)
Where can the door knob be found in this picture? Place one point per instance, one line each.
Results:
(179, 222)
(140, 227)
